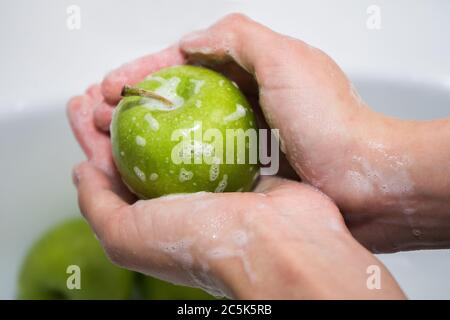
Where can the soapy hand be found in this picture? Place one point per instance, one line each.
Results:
(285, 235)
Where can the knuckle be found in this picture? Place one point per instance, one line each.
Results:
(232, 23)
(236, 17)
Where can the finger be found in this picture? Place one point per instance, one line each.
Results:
(95, 144)
(103, 115)
(244, 80)
(233, 38)
(97, 200)
(137, 70)
(297, 84)
(95, 92)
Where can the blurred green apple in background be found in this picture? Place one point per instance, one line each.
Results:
(52, 263)
(152, 123)
(48, 267)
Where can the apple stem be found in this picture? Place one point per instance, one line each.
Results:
(129, 91)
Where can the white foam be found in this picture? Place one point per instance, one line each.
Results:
(240, 238)
(238, 114)
(139, 173)
(222, 184)
(185, 175)
(214, 171)
(154, 176)
(140, 141)
(167, 89)
(152, 122)
(225, 253)
(178, 196)
(179, 251)
(198, 85)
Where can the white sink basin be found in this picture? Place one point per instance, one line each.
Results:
(398, 70)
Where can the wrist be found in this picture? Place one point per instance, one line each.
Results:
(405, 166)
(335, 267)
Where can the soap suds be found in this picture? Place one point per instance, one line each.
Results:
(214, 170)
(152, 122)
(238, 114)
(140, 141)
(225, 253)
(167, 89)
(179, 196)
(198, 85)
(139, 173)
(179, 251)
(185, 175)
(222, 184)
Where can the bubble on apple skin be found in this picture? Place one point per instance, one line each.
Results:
(140, 141)
(195, 149)
(238, 114)
(198, 85)
(222, 184)
(186, 132)
(154, 176)
(235, 84)
(122, 153)
(214, 171)
(167, 89)
(221, 82)
(185, 175)
(198, 103)
(140, 174)
(152, 122)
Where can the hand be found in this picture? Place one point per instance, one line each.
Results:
(285, 240)
(390, 178)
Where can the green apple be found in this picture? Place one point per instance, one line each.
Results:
(153, 123)
(155, 289)
(49, 264)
